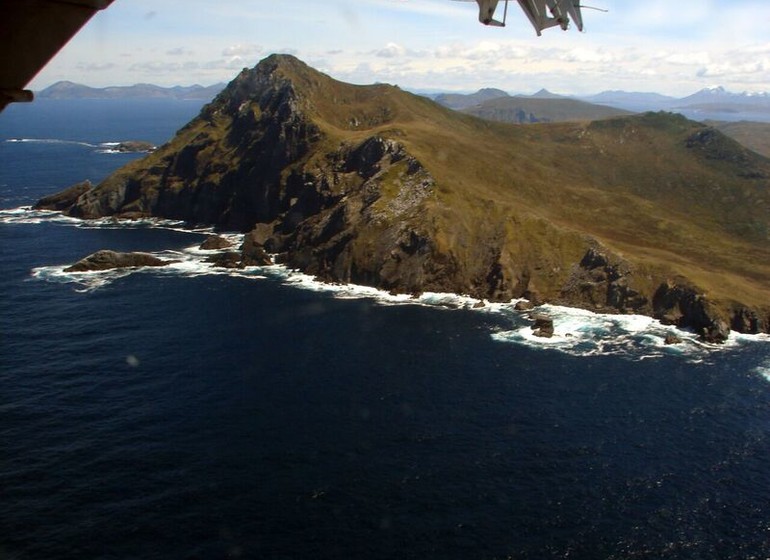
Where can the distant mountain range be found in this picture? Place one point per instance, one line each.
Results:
(525, 110)
(710, 103)
(71, 90)
(715, 103)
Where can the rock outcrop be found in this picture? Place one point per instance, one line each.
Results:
(134, 146)
(542, 326)
(66, 199)
(603, 282)
(105, 260)
(215, 242)
(371, 185)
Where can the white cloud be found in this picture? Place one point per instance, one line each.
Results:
(242, 50)
(582, 54)
(95, 67)
(391, 50)
(671, 47)
(688, 58)
(179, 51)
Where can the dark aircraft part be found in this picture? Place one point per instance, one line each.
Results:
(31, 33)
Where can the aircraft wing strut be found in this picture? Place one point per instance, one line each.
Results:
(542, 14)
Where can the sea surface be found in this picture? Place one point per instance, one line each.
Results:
(189, 412)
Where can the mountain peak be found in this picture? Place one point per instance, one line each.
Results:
(492, 92)
(545, 94)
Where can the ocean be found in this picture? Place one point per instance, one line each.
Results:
(189, 412)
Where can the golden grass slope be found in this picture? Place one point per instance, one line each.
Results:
(668, 194)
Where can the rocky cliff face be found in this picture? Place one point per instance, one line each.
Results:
(374, 186)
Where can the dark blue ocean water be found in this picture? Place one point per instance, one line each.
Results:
(187, 414)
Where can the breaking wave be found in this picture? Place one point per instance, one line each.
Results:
(764, 370)
(101, 147)
(49, 141)
(29, 215)
(577, 332)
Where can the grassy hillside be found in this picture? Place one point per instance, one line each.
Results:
(753, 135)
(376, 185)
(647, 186)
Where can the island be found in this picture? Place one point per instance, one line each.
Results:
(648, 214)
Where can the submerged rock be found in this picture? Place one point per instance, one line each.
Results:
(229, 259)
(105, 260)
(671, 338)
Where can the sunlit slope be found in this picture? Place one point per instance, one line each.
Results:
(663, 191)
(375, 185)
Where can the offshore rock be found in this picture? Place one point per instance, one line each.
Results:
(523, 305)
(214, 242)
(105, 260)
(134, 146)
(543, 326)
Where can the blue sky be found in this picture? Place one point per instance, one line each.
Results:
(672, 47)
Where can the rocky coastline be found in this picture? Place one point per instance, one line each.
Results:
(352, 196)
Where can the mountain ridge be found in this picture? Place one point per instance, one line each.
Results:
(373, 185)
(72, 90)
(540, 109)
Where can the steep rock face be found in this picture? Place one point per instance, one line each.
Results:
(65, 199)
(603, 281)
(224, 168)
(681, 305)
(370, 185)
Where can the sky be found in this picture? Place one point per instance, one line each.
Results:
(665, 46)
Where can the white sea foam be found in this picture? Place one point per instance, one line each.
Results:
(101, 147)
(577, 332)
(49, 141)
(581, 332)
(84, 281)
(26, 215)
(764, 370)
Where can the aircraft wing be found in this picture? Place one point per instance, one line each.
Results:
(543, 14)
(31, 33)
(573, 7)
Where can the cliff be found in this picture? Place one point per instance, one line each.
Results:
(649, 214)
